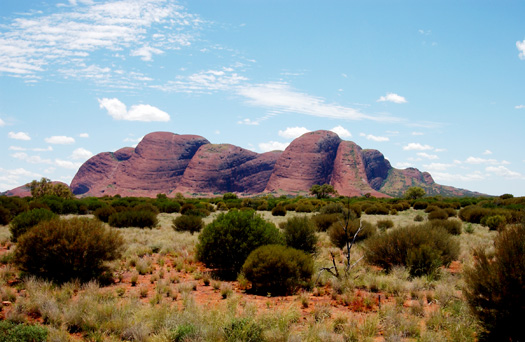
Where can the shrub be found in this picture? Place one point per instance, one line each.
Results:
(5, 216)
(277, 269)
(377, 210)
(451, 212)
(304, 208)
(131, 218)
(166, 206)
(227, 241)
(404, 247)
(431, 208)
(146, 207)
(495, 289)
(12, 332)
(384, 224)
(473, 213)
(69, 206)
(25, 221)
(452, 226)
(290, 206)
(229, 196)
(103, 213)
(419, 205)
(15, 205)
(401, 206)
(338, 236)
(496, 222)
(419, 218)
(279, 211)
(299, 233)
(62, 250)
(324, 221)
(332, 208)
(188, 223)
(438, 214)
(243, 329)
(191, 209)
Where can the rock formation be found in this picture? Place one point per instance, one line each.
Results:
(169, 163)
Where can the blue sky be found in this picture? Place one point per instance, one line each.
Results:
(436, 85)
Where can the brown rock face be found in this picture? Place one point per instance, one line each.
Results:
(166, 163)
(307, 161)
(224, 168)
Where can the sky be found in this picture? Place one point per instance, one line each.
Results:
(435, 85)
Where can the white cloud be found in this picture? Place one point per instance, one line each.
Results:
(440, 150)
(520, 106)
(272, 146)
(66, 164)
(487, 152)
(83, 135)
(454, 177)
(521, 49)
(437, 166)
(376, 138)
(248, 122)
(391, 97)
(341, 132)
(417, 133)
(477, 160)
(12, 178)
(81, 154)
(281, 98)
(19, 136)
(403, 165)
(119, 111)
(39, 41)
(293, 132)
(427, 156)
(417, 147)
(502, 171)
(60, 140)
(30, 159)
(204, 82)
(2, 123)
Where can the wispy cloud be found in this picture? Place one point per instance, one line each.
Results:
(81, 154)
(502, 171)
(10, 178)
(417, 147)
(281, 98)
(2, 123)
(391, 97)
(293, 132)
(477, 160)
(119, 111)
(19, 136)
(39, 42)
(454, 177)
(427, 156)
(487, 152)
(520, 106)
(204, 82)
(83, 135)
(272, 146)
(60, 140)
(437, 166)
(521, 49)
(374, 138)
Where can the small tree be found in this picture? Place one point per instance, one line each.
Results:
(322, 191)
(414, 193)
(45, 187)
(299, 233)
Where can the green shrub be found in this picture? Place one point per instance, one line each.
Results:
(394, 247)
(167, 206)
(332, 208)
(473, 213)
(229, 196)
(377, 210)
(420, 205)
(451, 212)
(12, 332)
(423, 260)
(279, 211)
(146, 207)
(384, 224)
(338, 237)
(25, 221)
(438, 214)
(54, 203)
(191, 209)
(62, 250)
(324, 221)
(183, 332)
(188, 223)
(401, 206)
(69, 206)
(431, 208)
(277, 269)
(103, 213)
(243, 329)
(15, 205)
(452, 226)
(131, 218)
(419, 218)
(496, 222)
(290, 206)
(299, 233)
(227, 241)
(495, 289)
(304, 208)
(5, 216)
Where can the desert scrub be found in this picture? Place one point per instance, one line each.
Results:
(384, 224)
(277, 269)
(324, 221)
(339, 237)
(452, 226)
(188, 223)
(421, 248)
(495, 289)
(61, 249)
(12, 332)
(299, 233)
(227, 241)
(103, 213)
(26, 220)
(131, 218)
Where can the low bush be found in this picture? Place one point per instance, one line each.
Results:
(420, 205)
(279, 211)
(188, 223)
(62, 250)
(243, 329)
(227, 241)
(290, 206)
(304, 208)
(5, 216)
(410, 246)
(384, 224)
(438, 214)
(299, 233)
(431, 208)
(473, 213)
(338, 236)
(103, 213)
(131, 218)
(452, 226)
(25, 221)
(12, 332)
(401, 206)
(419, 218)
(277, 269)
(332, 208)
(451, 212)
(167, 206)
(146, 207)
(496, 222)
(495, 289)
(377, 210)
(324, 221)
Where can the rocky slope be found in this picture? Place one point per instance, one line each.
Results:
(169, 163)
